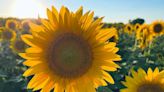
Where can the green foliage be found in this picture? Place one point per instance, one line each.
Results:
(11, 70)
(138, 20)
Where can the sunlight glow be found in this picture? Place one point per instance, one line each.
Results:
(27, 9)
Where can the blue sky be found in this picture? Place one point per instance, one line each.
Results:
(113, 10)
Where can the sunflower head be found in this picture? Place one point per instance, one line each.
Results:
(157, 27)
(152, 81)
(69, 49)
(142, 32)
(25, 25)
(128, 29)
(17, 45)
(11, 24)
(144, 36)
(7, 34)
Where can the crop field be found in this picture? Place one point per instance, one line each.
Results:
(76, 51)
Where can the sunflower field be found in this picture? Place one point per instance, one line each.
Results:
(77, 52)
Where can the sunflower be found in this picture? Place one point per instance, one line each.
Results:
(137, 26)
(11, 24)
(69, 53)
(144, 36)
(142, 32)
(128, 29)
(157, 27)
(17, 45)
(7, 34)
(145, 82)
(25, 25)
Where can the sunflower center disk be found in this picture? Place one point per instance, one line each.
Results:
(129, 28)
(7, 35)
(19, 45)
(70, 56)
(158, 28)
(12, 25)
(26, 26)
(150, 88)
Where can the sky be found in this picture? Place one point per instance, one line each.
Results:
(112, 10)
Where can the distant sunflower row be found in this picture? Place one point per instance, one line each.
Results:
(18, 25)
(11, 33)
(145, 33)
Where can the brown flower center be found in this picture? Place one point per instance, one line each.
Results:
(7, 35)
(129, 28)
(150, 88)
(19, 45)
(137, 27)
(1, 25)
(26, 26)
(12, 25)
(158, 28)
(70, 56)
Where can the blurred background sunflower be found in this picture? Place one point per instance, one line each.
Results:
(25, 26)
(17, 45)
(11, 24)
(7, 34)
(157, 28)
(128, 29)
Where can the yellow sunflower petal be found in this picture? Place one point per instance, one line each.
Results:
(34, 70)
(150, 74)
(79, 12)
(55, 12)
(48, 87)
(34, 81)
(58, 88)
(108, 77)
(41, 84)
(52, 18)
(31, 63)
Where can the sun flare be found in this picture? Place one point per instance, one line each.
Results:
(27, 9)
